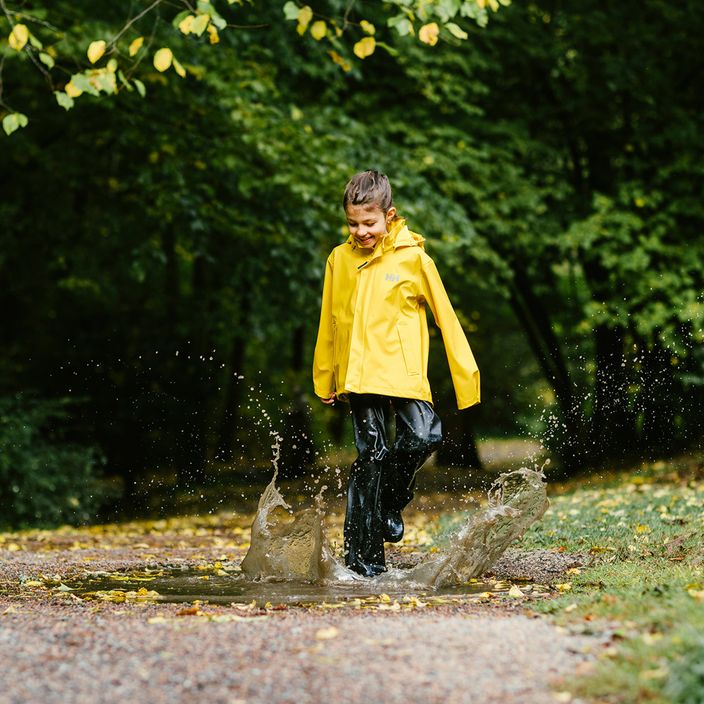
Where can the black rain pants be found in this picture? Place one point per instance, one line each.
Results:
(382, 477)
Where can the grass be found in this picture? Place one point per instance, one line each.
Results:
(644, 533)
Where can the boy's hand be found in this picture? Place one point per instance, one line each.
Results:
(329, 401)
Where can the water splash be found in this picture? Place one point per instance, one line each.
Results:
(290, 546)
(516, 500)
(286, 546)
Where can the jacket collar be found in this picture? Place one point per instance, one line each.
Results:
(398, 236)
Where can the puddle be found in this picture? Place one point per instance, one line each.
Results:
(188, 585)
(290, 559)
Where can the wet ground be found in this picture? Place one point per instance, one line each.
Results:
(158, 611)
(91, 617)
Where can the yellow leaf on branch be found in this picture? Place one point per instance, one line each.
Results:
(318, 30)
(18, 37)
(305, 15)
(429, 33)
(367, 27)
(199, 24)
(72, 90)
(186, 23)
(96, 50)
(213, 34)
(163, 59)
(340, 61)
(179, 69)
(136, 45)
(365, 47)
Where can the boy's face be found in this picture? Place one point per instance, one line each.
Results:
(368, 223)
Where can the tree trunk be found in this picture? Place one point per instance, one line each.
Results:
(196, 387)
(297, 449)
(233, 386)
(656, 402)
(533, 317)
(612, 421)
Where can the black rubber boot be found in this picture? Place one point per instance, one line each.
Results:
(393, 526)
(364, 530)
(381, 480)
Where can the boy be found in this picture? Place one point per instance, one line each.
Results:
(372, 350)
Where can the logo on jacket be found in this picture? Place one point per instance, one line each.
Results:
(392, 277)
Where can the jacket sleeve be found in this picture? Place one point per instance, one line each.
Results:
(323, 376)
(463, 368)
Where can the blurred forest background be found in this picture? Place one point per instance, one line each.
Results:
(161, 257)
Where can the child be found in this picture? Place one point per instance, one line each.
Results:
(372, 350)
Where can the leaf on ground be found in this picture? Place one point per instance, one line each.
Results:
(327, 633)
(190, 611)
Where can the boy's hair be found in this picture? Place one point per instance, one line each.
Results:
(368, 187)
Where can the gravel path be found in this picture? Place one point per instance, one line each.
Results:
(55, 647)
(147, 653)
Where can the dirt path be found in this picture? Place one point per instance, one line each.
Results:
(55, 647)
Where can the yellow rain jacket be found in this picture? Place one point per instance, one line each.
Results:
(373, 333)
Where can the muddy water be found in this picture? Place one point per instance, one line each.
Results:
(290, 559)
(298, 549)
(188, 585)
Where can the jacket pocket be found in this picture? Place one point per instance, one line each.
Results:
(410, 348)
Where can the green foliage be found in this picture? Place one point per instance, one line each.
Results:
(71, 38)
(685, 682)
(44, 480)
(182, 254)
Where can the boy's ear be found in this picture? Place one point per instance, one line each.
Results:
(390, 214)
